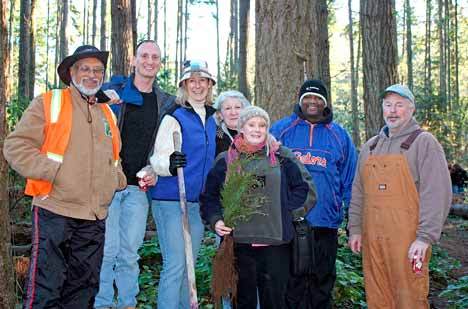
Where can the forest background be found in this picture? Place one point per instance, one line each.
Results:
(264, 49)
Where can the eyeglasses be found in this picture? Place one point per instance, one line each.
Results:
(87, 70)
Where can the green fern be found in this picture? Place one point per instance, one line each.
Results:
(238, 197)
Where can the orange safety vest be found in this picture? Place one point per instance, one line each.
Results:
(57, 129)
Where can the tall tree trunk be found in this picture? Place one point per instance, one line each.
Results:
(457, 60)
(244, 14)
(47, 47)
(134, 24)
(442, 64)
(165, 36)
(103, 43)
(122, 36)
(57, 40)
(409, 44)
(448, 59)
(63, 30)
(354, 96)
(32, 54)
(25, 52)
(427, 52)
(156, 12)
(179, 24)
(186, 17)
(7, 292)
(379, 44)
(218, 59)
(279, 71)
(10, 32)
(150, 15)
(93, 35)
(85, 25)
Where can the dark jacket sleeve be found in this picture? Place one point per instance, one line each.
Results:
(210, 199)
(298, 188)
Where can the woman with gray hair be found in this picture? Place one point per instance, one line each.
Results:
(228, 106)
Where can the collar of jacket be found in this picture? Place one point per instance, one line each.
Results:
(327, 115)
(409, 128)
(131, 94)
(209, 109)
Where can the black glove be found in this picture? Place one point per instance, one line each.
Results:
(177, 159)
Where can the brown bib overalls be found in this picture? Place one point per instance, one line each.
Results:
(390, 221)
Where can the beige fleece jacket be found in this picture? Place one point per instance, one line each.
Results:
(84, 184)
(428, 166)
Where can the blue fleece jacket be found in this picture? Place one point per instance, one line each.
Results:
(328, 153)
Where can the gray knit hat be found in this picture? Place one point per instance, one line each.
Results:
(251, 112)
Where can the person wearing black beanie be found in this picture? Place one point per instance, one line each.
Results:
(329, 155)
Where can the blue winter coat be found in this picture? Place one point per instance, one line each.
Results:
(328, 153)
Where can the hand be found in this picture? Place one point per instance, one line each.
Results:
(221, 229)
(418, 249)
(176, 160)
(355, 242)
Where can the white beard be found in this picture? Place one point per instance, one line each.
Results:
(84, 90)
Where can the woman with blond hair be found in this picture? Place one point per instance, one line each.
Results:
(191, 117)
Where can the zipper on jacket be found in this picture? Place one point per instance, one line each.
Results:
(311, 134)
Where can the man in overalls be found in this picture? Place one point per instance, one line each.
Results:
(400, 199)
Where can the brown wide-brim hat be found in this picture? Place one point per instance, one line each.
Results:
(84, 51)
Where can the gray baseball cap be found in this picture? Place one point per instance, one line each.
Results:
(399, 89)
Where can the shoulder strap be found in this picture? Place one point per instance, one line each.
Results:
(374, 144)
(409, 141)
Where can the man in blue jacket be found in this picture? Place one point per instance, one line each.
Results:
(328, 153)
(143, 104)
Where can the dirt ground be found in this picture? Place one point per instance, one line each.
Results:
(455, 240)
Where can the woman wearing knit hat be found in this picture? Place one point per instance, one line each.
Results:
(191, 117)
(258, 187)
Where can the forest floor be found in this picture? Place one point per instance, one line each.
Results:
(455, 241)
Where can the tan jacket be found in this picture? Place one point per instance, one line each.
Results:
(84, 184)
(428, 166)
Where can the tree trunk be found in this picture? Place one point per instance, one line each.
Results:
(134, 23)
(178, 21)
(457, 60)
(379, 48)
(85, 25)
(427, 52)
(150, 15)
(7, 292)
(354, 96)
(47, 47)
(156, 11)
(447, 45)
(122, 36)
(93, 35)
(244, 13)
(165, 36)
(218, 59)
(442, 63)
(32, 54)
(103, 43)
(186, 17)
(10, 32)
(63, 30)
(57, 39)
(25, 52)
(282, 46)
(409, 44)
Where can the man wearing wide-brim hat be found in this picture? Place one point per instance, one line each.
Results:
(67, 146)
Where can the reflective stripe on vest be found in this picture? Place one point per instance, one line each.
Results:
(57, 130)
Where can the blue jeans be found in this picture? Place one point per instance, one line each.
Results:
(173, 289)
(125, 230)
